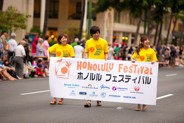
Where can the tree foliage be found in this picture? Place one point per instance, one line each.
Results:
(137, 7)
(12, 19)
(149, 11)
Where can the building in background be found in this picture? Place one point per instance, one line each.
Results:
(64, 16)
(24, 6)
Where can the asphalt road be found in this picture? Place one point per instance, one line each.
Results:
(27, 101)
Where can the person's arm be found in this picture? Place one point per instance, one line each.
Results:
(51, 49)
(106, 56)
(154, 58)
(48, 55)
(8, 76)
(106, 50)
(133, 58)
(86, 55)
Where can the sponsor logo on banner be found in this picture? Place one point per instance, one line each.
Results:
(114, 88)
(136, 90)
(82, 93)
(72, 93)
(103, 94)
(93, 94)
(71, 85)
(114, 96)
(89, 87)
(62, 69)
(130, 97)
(104, 87)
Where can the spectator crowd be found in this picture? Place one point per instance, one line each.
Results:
(26, 59)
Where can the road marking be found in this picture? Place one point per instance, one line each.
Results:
(171, 74)
(119, 108)
(168, 95)
(35, 92)
(158, 98)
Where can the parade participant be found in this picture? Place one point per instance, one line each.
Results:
(96, 48)
(144, 54)
(62, 49)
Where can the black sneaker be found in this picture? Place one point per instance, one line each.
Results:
(87, 105)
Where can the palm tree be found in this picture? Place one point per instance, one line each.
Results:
(1, 5)
(82, 18)
(45, 27)
(175, 10)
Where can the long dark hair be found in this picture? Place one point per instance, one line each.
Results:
(141, 44)
(61, 36)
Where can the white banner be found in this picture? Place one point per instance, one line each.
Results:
(111, 80)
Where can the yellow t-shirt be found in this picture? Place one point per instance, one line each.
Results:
(96, 49)
(62, 51)
(145, 55)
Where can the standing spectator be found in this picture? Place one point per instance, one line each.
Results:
(62, 49)
(26, 38)
(114, 43)
(111, 52)
(40, 48)
(34, 44)
(46, 45)
(158, 50)
(1, 46)
(130, 52)
(12, 44)
(78, 49)
(19, 58)
(124, 52)
(166, 56)
(96, 48)
(144, 54)
(182, 52)
(173, 56)
(4, 34)
(27, 48)
(116, 51)
(74, 43)
(120, 54)
(29, 42)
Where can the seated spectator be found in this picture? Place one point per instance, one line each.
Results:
(46, 69)
(4, 74)
(179, 62)
(29, 71)
(39, 69)
(10, 69)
